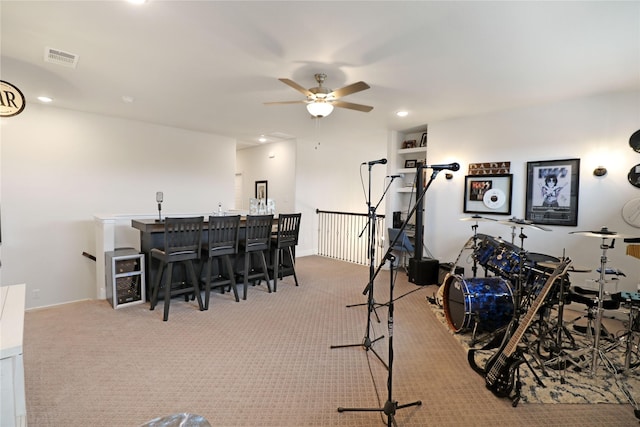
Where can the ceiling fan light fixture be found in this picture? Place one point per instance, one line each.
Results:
(319, 109)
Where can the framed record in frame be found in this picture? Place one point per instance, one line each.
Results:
(488, 194)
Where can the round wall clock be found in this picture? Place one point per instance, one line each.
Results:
(634, 176)
(631, 212)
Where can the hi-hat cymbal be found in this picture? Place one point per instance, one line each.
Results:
(515, 222)
(603, 233)
(554, 265)
(477, 218)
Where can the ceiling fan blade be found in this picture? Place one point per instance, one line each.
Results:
(297, 87)
(348, 90)
(352, 106)
(285, 102)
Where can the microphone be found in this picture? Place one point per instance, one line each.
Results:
(159, 197)
(375, 162)
(451, 166)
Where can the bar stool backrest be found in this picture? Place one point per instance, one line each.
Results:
(183, 237)
(288, 230)
(258, 232)
(223, 234)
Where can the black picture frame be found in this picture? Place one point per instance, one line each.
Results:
(488, 194)
(552, 192)
(261, 190)
(410, 163)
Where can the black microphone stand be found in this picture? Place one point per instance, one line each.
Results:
(390, 406)
(371, 264)
(404, 225)
(367, 341)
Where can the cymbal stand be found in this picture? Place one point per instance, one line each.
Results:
(474, 268)
(390, 406)
(601, 282)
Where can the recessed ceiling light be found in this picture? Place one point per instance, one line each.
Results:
(127, 99)
(44, 99)
(137, 1)
(262, 139)
(402, 113)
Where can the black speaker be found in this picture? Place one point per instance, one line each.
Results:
(397, 220)
(423, 272)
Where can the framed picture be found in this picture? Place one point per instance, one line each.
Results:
(261, 190)
(552, 192)
(423, 140)
(408, 164)
(488, 194)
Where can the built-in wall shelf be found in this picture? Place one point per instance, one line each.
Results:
(419, 150)
(406, 190)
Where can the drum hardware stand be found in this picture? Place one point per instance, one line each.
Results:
(629, 338)
(391, 406)
(474, 268)
(367, 342)
(601, 282)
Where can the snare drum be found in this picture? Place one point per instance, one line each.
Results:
(485, 301)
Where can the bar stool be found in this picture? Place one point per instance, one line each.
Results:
(285, 239)
(223, 232)
(182, 239)
(254, 245)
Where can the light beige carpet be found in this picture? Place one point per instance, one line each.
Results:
(267, 361)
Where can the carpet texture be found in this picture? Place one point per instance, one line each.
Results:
(574, 384)
(268, 361)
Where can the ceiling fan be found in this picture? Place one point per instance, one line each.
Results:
(321, 100)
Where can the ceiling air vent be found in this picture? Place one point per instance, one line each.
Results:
(60, 57)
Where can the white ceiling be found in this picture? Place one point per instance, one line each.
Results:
(210, 65)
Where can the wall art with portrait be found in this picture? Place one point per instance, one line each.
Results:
(488, 194)
(552, 192)
(261, 190)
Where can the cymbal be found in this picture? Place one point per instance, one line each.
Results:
(515, 222)
(477, 218)
(574, 268)
(603, 233)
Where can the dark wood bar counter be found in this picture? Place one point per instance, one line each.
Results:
(152, 236)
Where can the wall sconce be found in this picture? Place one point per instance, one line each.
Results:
(600, 171)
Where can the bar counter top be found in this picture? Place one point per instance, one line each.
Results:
(151, 225)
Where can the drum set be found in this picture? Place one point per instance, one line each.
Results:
(512, 279)
(485, 304)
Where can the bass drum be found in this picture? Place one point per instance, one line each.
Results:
(485, 301)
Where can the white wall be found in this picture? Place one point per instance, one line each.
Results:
(594, 129)
(330, 177)
(60, 168)
(274, 163)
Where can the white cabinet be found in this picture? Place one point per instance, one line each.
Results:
(125, 277)
(12, 395)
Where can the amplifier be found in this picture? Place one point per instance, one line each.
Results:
(445, 269)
